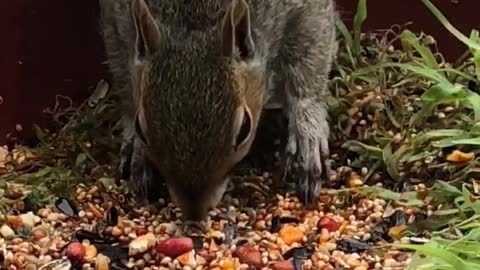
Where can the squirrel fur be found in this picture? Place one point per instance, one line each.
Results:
(193, 78)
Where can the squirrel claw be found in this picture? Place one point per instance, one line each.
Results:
(312, 154)
(145, 179)
(311, 184)
(309, 188)
(287, 166)
(126, 152)
(194, 228)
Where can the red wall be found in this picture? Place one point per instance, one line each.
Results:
(53, 47)
(49, 48)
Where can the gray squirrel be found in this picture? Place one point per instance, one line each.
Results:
(194, 76)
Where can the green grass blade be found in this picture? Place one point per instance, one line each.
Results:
(418, 70)
(358, 147)
(474, 36)
(443, 20)
(347, 36)
(439, 253)
(444, 92)
(410, 41)
(436, 134)
(452, 142)
(459, 73)
(360, 17)
(474, 100)
(390, 160)
(405, 198)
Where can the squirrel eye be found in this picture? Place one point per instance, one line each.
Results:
(139, 131)
(245, 129)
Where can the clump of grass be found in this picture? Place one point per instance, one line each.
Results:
(403, 111)
(412, 98)
(455, 232)
(80, 146)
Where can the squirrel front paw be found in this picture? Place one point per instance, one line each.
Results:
(308, 146)
(145, 180)
(126, 151)
(194, 228)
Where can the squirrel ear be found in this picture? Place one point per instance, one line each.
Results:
(236, 31)
(147, 34)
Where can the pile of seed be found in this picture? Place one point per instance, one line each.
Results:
(101, 229)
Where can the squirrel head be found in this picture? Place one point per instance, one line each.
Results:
(199, 97)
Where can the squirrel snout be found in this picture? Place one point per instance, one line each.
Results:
(196, 200)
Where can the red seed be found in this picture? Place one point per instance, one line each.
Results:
(327, 223)
(75, 252)
(140, 231)
(283, 265)
(175, 246)
(248, 255)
